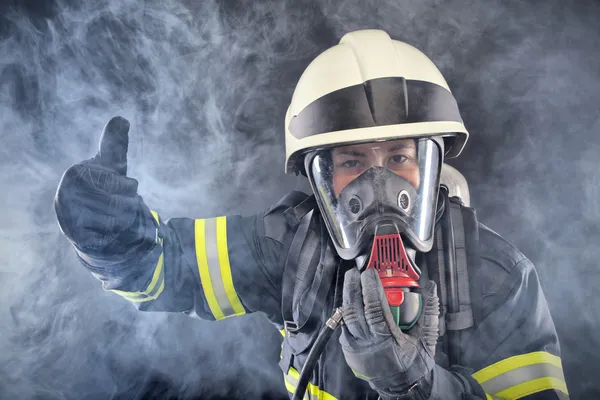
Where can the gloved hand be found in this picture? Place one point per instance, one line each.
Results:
(96, 204)
(397, 365)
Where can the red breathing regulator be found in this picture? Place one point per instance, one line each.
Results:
(399, 278)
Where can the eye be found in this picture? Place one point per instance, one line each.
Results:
(398, 159)
(350, 164)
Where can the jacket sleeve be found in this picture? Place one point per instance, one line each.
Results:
(514, 349)
(210, 268)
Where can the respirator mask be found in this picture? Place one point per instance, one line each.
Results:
(378, 201)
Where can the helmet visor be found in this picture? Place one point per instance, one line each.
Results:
(360, 185)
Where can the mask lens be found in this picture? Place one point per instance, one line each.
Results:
(360, 184)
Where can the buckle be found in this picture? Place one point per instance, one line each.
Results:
(290, 327)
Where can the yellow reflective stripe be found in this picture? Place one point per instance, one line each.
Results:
(293, 372)
(282, 332)
(312, 392)
(234, 300)
(158, 278)
(155, 215)
(359, 375)
(147, 295)
(157, 239)
(153, 297)
(516, 362)
(202, 261)
(212, 256)
(533, 386)
(522, 375)
(290, 388)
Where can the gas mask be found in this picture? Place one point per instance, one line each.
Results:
(378, 201)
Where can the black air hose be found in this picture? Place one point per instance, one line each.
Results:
(313, 356)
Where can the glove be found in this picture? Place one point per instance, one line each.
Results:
(397, 365)
(96, 204)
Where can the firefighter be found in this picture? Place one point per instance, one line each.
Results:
(432, 304)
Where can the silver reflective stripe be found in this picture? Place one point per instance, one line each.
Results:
(293, 382)
(521, 375)
(562, 396)
(214, 267)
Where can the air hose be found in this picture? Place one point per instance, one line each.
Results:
(313, 356)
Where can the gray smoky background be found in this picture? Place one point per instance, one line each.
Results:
(205, 85)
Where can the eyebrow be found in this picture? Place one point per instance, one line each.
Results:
(400, 146)
(352, 153)
(356, 153)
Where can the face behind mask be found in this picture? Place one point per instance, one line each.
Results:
(359, 186)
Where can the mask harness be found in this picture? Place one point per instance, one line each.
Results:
(380, 201)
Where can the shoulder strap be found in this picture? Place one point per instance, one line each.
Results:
(305, 281)
(460, 314)
(455, 248)
(295, 214)
(296, 263)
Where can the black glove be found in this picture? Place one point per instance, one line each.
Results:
(96, 204)
(397, 365)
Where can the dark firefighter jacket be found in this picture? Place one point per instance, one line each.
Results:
(231, 265)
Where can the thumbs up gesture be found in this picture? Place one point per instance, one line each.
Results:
(112, 152)
(96, 204)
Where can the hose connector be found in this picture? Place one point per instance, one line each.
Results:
(335, 320)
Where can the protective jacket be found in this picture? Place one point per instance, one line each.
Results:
(281, 262)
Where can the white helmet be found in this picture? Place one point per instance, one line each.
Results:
(370, 122)
(331, 104)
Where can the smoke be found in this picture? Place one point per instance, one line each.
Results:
(205, 86)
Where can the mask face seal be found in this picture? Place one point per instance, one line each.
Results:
(361, 186)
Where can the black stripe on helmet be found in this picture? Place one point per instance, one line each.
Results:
(377, 102)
